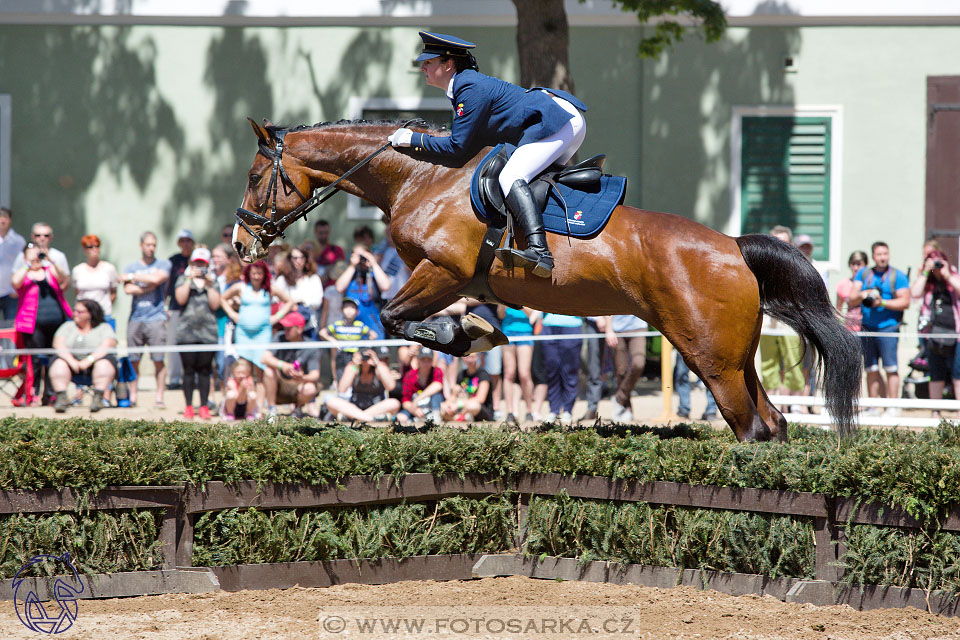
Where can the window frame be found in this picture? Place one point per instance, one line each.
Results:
(357, 209)
(832, 112)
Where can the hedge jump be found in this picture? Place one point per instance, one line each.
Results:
(183, 504)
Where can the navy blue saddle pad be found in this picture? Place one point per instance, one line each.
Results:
(586, 211)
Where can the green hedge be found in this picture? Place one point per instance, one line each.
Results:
(916, 471)
(452, 525)
(98, 542)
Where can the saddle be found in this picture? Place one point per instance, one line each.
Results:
(583, 176)
(575, 201)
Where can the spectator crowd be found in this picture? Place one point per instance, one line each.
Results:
(224, 316)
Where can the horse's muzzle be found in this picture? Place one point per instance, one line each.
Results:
(249, 254)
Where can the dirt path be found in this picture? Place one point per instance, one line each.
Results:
(488, 608)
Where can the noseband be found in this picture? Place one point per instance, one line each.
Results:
(271, 228)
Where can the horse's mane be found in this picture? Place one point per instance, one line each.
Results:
(273, 128)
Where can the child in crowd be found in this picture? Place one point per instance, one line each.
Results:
(349, 329)
(240, 396)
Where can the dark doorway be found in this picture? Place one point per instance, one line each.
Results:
(943, 163)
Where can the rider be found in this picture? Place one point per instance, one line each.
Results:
(546, 124)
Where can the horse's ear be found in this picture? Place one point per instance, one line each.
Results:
(262, 133)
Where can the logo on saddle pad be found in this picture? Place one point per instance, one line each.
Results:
(576, 219)
(578, 215)
(460, 109)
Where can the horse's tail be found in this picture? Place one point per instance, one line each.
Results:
(791, 290)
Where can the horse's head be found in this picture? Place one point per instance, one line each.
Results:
(276, 186)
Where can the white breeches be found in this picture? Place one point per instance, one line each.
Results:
(530, 159)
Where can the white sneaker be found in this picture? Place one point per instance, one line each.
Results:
(549, 417)
(892, 412)
(566, 418)
(622, 413)
(435, 416)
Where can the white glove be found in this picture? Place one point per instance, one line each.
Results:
(401, 137)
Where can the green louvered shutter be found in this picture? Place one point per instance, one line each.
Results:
(785, 177)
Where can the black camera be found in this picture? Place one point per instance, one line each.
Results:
(938, 264)
(869, 301)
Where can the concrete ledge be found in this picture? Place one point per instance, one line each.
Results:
(552, 568)
(118, 585)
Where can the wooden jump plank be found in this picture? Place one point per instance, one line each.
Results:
(350, 491)
(675, 493)
(884, 516)
(52, 500)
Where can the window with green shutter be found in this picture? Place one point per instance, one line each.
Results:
(785, 177)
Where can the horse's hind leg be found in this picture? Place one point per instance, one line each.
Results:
(768, 412)
(431, 289)
(737, 406)
(726, 367)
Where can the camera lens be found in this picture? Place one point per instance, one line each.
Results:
(938, 264)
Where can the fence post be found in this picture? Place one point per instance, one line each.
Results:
(828, 543)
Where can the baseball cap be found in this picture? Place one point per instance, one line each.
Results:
(350, 301)
(803, 239)
(292, 319)
(200, 253)
(185, 233)
(425, 352)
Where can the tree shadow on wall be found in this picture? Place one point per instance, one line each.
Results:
(212, 178)
(731, 72)
(237, 72)
(91, 105)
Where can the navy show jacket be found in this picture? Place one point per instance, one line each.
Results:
(488, 111)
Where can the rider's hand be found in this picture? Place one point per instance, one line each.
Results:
(401, 137)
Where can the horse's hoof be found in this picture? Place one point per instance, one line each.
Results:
(475, 326)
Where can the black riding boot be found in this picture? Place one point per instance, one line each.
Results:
(526, 215)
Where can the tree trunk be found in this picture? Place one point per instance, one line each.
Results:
(543, 42)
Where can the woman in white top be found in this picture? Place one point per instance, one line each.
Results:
(301, 282)
(96, 279)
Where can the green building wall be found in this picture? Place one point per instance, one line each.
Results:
(117, 130)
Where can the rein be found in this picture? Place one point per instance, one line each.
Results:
(270, 228)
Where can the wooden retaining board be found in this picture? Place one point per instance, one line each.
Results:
(324, 574)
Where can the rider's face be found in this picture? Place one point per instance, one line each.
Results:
(438, 73)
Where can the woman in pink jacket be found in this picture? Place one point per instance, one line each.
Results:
(41, 307)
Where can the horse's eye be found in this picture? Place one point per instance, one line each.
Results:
(254, 179)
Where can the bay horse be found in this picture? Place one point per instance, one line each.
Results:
(705, 291)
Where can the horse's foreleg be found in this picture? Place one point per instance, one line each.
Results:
(431, 289)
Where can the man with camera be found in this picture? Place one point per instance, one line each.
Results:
(290, 374)
(884, 294)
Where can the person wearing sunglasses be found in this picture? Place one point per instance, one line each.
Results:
(96, 279)
(41, 236)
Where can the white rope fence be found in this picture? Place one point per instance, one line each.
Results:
(823, 418)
